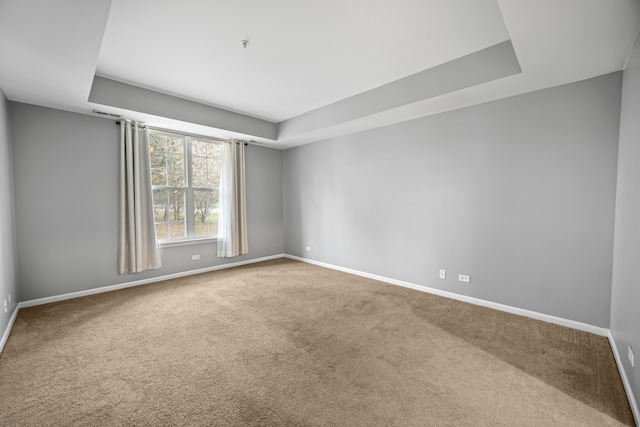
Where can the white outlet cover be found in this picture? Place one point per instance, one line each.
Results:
(195, 257)
(631, 357)
(443, 274)
(463, 278)
(308, 248)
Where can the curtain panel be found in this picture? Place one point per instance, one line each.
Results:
(232, 220)
(137, 244)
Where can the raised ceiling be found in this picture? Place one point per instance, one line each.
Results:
(302, 55)
(312, 70)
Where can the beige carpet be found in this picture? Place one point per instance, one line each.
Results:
(283, 343)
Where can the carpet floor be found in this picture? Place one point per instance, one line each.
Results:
(284, 343)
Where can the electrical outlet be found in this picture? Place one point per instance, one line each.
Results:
(631, 357)
(463, 278)
(443, 274)
(308, 249)
(195, 257)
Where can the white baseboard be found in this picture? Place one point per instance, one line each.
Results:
(625, 379)
(472, 300)
(110, 288)
(7, 331)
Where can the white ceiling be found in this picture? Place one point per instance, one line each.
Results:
(302, 55)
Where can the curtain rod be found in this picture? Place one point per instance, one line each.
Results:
(180, 132)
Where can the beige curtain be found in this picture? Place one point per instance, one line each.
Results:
(137, 245)
(232, 220)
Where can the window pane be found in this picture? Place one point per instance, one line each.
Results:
(206, 163)
(166, 153)
(158, 160)
(205, 212)
(158, 177)
(168, 213)
(175, 145)
(162, 231)
(156, 144)
(176, 204)
(200, 180)
(213, 167)
(176, 229)
(175, 171)
(199, 148)
(161, 213)
(160, 206)
(199, 172)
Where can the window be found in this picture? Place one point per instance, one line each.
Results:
(185, 174)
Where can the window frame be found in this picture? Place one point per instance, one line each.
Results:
(189, 206)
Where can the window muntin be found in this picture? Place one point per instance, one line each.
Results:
(185, 175)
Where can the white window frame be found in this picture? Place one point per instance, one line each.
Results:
(189, 209)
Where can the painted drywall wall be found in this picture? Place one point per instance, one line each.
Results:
(8, 254)
(66, 178)
(519, 194)
(625, 292)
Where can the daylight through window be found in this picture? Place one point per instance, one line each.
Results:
(185, 175)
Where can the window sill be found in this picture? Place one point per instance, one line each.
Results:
(186, 242)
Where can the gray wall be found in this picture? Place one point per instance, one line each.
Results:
(66, 177)
(517, 193)
(8, 260)
(625, 298)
